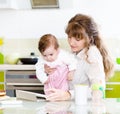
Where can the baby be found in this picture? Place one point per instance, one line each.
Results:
(51, 55)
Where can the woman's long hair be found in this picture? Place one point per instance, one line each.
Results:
(82, 26)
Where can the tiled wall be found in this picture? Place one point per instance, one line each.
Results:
(25, 46)
(22, 46)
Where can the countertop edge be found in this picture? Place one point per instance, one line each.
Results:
(16, 67)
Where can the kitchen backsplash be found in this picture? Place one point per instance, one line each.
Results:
(113, 47)
(26, 46)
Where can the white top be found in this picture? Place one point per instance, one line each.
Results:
(64, 57)
(89, 72)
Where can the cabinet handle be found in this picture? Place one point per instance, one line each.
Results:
(109, 89)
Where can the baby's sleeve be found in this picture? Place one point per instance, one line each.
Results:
(70, 60)
(40, 74)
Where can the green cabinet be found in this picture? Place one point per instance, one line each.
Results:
(113, 86)
(2, 80)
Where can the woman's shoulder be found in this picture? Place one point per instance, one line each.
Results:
(93, 50)
(93, 47)
(94, 53)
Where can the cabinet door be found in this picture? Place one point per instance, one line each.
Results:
(115, 77)
(2, 86)
(2, 80)
(113, 89)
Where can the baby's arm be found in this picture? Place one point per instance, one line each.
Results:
(71, 61)
(70, 75)
(41, 75)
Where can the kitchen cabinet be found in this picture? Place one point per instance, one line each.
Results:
(15, 4)
(113, 86)
(20, 77)
(2, 80)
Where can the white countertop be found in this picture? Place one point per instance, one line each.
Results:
(110, 106)
(16, 67)
(31, 67)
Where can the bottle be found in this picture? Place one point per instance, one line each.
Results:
(1, 54)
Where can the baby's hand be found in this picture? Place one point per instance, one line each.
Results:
(46, 81)
(70, 75)
(48, 69)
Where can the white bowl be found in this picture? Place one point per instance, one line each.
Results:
(12, 58)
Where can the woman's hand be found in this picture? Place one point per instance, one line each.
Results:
(58, 95)
(70, 75)
(57, 107)
(48, 69)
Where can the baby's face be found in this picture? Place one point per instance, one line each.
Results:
(50, 54)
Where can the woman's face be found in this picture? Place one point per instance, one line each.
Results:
(76, 44)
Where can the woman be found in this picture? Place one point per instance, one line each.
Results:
(94, 63)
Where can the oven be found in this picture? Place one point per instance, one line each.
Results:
(22, 80)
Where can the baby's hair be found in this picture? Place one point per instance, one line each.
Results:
(46, 41)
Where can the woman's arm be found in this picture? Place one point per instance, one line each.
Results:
(58, 95)
(95, 67)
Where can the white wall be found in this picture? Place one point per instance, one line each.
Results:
(34, 23)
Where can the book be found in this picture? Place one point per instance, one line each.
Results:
(27, 95)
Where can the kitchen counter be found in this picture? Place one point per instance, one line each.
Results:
(20, 77)
(22, 70)
(110, 106)
(31, 67)
(17, 67)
